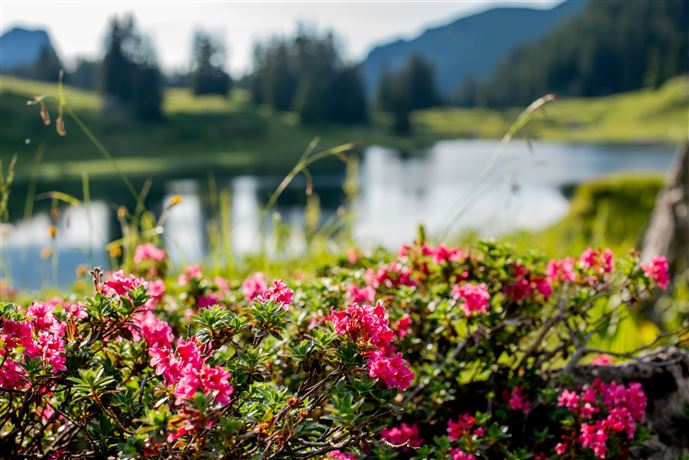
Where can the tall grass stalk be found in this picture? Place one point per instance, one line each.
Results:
(481, 182)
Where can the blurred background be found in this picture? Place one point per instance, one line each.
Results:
(209, 106)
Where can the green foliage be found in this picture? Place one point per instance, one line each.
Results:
(611, 211)
(612, 46)
(131, 77)
(208, 75)
(412, 88)
(307, 74)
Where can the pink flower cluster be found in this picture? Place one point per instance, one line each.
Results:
(192, 272)
(602, 360)
(153, 330)
(368, 326)
(458, 454)
(658, 271)
(186, 370)
(402, 326)
(363, 323)
(254, 285)
(339, 455)
(464, 427)
(39, 336)
(598, 260)
(391, 368)
(279, 293)
(606, 409)
(561, 271)
(440, 254)
(475, 297)
(404, 434)
(519, 400)
(390, 276)
(526, 285)
(120, 284)
(149, 252)
(361, 295)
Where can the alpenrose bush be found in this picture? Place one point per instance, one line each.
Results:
(433, 353)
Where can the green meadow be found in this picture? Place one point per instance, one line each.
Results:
(230, 136)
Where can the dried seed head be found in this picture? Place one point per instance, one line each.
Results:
(45, 116)
(115, 250)
(60, 126)
(174, 201)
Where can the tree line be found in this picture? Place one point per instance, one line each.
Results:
(305, 73)
(612, 46)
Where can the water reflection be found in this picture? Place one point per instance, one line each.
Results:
(398, 191)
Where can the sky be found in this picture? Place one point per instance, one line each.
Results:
(78, 28)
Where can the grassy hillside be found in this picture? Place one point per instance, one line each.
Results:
(230, 136)
(647, 115)
(610, 211)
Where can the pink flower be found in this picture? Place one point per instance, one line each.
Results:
(519, 400)
(222, 284)
(76, 310)
(150, 252)
(254, 286)
(594, 437)
(392, 370)
(475, 298)
(462, 427)
(561, 271)
(403, 434)
(192, 272)
(361, 295)
(594, 259)
(216, 381)
(279, 293)
(156, 290)
(154, 331)
(352, 256)
(403, 326)
(568, 399)
(41, 315)
(602, 360)
(658, 271)
(560, 448)
(12, 377)
(458, 454)
(339, 455)
(363, 323)
(120, 284)
(187, 372)
(390, 276)
(205, 301)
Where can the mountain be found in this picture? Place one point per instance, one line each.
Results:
(469, 47)
(612, 46)
(21, 47)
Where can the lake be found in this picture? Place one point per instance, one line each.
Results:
(450, 187)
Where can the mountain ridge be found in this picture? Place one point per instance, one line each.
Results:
(470, 46)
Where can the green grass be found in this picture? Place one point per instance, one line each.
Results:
(640, 116)
(610, 211)
(230, 136)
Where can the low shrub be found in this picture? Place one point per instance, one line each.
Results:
(435, 352)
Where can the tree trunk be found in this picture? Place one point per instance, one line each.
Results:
(667, 233)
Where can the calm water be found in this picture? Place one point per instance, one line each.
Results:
(450, 187)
